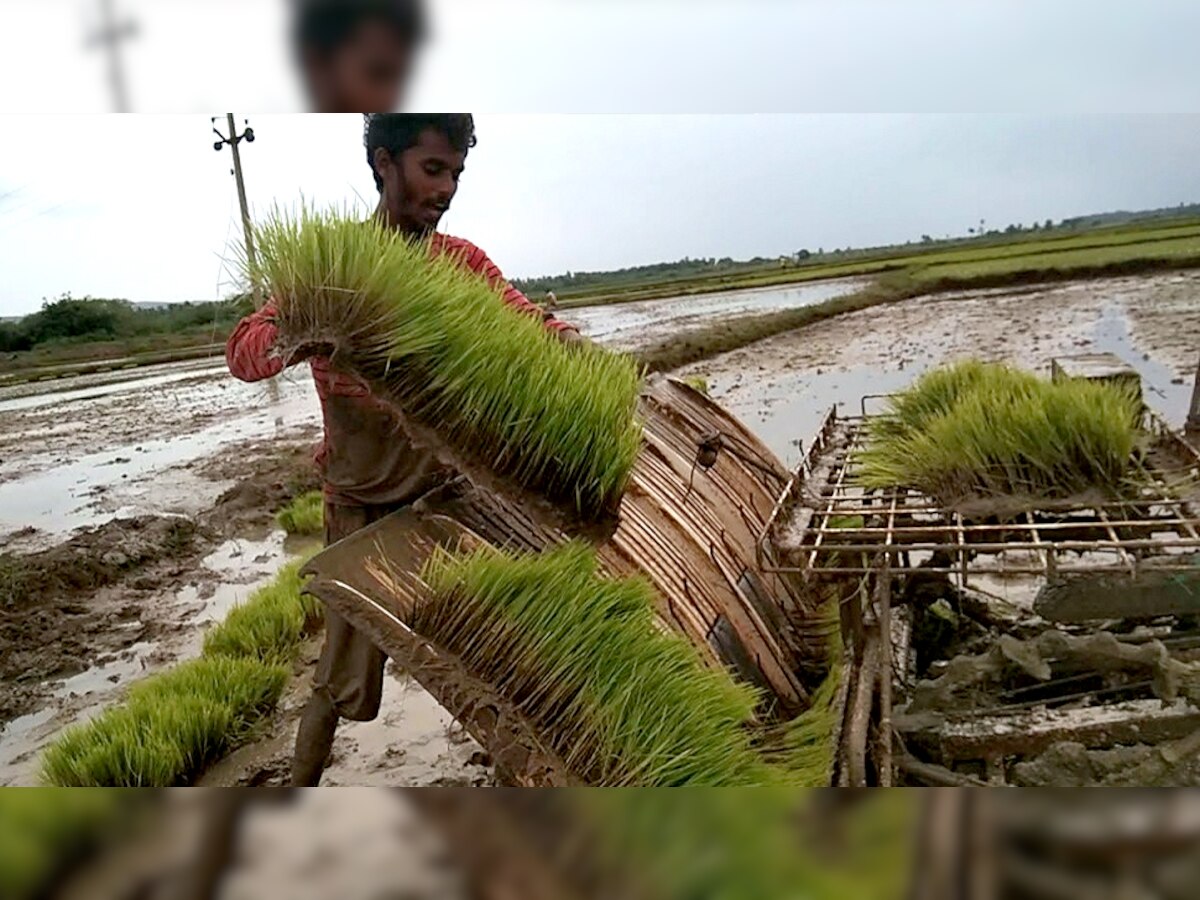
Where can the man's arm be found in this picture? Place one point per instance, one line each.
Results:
(477, 261)
(247, 352)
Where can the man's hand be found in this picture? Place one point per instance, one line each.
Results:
(572, 337)
(308, 350)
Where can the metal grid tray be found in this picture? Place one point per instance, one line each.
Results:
(825, 525)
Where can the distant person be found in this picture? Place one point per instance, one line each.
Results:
(367, 467)
(551, 301)
(356, 55)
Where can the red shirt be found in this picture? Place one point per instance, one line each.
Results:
(364, 457)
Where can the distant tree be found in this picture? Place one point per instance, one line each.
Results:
(802, 254)
(14, 338)
(1049, 224)
(68, 317)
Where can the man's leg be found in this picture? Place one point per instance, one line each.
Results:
(314, 739)
(349, 679)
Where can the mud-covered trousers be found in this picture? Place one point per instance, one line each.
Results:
(348, 683)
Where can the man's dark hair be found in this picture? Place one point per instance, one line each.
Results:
(324, 25)
(396, 132)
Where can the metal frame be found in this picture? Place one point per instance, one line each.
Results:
(1158, 530)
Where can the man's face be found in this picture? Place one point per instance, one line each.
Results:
(418, 187)
(366, 73)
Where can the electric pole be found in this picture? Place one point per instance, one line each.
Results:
(110, 34)
(233, 140)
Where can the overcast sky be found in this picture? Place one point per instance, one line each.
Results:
(141, 207)
(643, 56)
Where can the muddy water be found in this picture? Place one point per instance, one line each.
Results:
(629, 325)
(782, 387)
(78, 458)
(226, 576)
(138, 442)
(80, 451)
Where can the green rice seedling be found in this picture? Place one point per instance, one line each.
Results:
(697, 382)
(730, 844)
(937, 392)
(807, 747)
(622, 701)
(990, 432)
(43, 831)
(303, 515)
(171, 726)
(174, 724)
(495, 387)
(270, 625)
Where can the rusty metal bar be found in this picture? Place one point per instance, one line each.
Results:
(962, 553)
(818, 571)
(885, 674)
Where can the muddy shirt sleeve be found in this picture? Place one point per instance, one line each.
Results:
(248, 350)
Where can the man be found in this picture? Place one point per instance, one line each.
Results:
(369, 468)
(356, 55)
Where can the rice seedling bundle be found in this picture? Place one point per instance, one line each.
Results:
(987, 431)
(303, 515)
(170, 727)
(270, 625)
(493, 385)
(620, 700)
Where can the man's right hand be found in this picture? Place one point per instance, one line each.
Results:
(308, 350)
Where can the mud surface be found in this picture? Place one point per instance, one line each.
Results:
(413, 742)
(186, 440)
(630, 326)
(87, 615)
(783, 386)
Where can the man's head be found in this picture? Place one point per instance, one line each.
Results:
(417, 160)
(355, 55)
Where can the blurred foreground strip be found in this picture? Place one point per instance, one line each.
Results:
(821, 844)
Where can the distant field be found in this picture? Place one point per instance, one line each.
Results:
(1068, 258)
(900, 272)
(1173, 244)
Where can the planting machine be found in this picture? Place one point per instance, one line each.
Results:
(1055, 645)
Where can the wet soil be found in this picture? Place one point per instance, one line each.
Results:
(87, 615)
(782, 387)
(186, 442)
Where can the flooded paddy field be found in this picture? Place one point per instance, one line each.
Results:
(114, 463)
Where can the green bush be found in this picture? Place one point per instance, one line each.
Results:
(43, 830)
